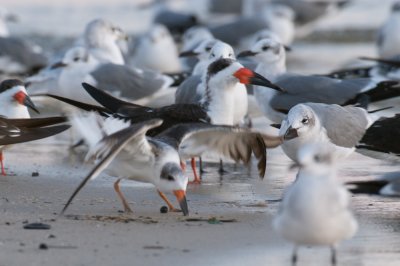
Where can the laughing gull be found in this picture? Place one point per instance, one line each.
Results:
(270, 55)
(315, 209)
(381, 140)
(78, 65)
(388, 40)
(385, 185)
(157, 51)
(13, 131)
(14, 100)
(101, 39)
(191, 39)
(277, 18)
(338, 128)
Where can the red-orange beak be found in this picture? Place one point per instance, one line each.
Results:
(247, 76)
(22, 98)
(181, 197)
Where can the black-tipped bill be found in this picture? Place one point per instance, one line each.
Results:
(181, 197)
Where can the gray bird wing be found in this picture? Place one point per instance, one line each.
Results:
(129, 82)
(233, 32)
(21, 52)
(302, 89)
(110, 146)
(345, 126)
(187, 91)
(231, 142)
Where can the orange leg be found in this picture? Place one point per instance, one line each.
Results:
(170, 206)
(3, 172)
(127, 209)
(197, 179)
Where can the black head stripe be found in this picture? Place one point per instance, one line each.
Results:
(10, 83)
(219, 65)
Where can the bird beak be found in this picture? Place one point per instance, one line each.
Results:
(22, 98)
(188, 54)
(58, 65)
(290, 133)
(181, 196)
(247, 76)
(287, 48)
(247, 53)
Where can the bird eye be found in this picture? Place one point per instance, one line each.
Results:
(230, 55)
(76, 59)
(208, 49)
(213, 55)
(265, 48)
(317, 158)
(171, 178)
(304, 121)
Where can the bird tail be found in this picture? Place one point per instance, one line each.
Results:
(372, 187)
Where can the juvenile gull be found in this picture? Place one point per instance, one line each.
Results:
(315, 208)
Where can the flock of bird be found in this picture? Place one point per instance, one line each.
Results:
(322, 119)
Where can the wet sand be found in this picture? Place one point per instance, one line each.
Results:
(95, 232)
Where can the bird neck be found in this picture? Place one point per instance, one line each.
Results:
(219, 101)
(272, 70)
(107, 52)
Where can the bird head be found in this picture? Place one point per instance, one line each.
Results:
(172, 179)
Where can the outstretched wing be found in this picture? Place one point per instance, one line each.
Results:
(193, 139)
(12, 134)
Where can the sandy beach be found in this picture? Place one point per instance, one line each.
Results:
(95, 232)
(230, 221)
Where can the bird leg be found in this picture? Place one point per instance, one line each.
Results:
(294, 256)
(170, 206)
(127, 209)
(201, 166)
(221, 170)
(197, 179)
(183, 166)
(333, 255)
(3, 172)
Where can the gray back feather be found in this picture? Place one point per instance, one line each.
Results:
(302, 89)
(345, 126)
(131, 83)
(187, 91)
